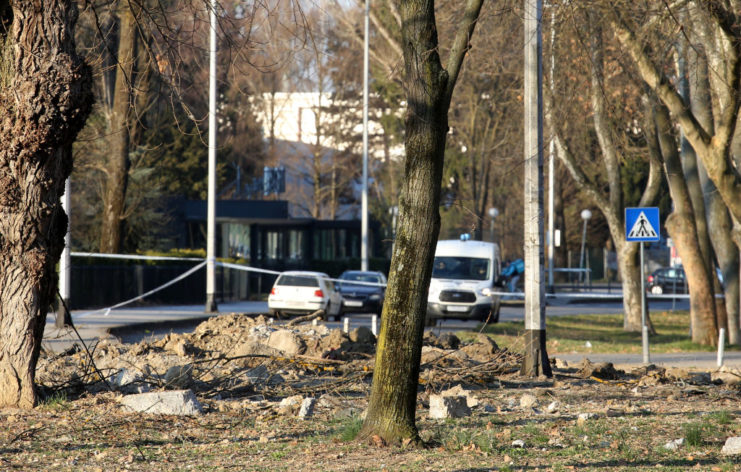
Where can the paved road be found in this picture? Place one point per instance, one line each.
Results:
(134, 324)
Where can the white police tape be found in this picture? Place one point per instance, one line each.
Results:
(107, 311)
(134, 257)
(519, 295)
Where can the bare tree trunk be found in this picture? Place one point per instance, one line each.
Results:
(716, 211)
(681, 226)
(45, 100)
(630, 276)
(121, 124)
(429, 87)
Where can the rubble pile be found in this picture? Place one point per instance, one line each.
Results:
(252, 364)
(239, 355)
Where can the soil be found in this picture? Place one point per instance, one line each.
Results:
(251, 376)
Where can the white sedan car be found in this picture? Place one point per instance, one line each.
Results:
(303, 292)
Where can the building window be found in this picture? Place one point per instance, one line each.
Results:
(274, 245)
(238, 240)
(296, 245)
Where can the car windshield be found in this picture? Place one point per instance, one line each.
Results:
(468, 268)
(367, 278)
(297, 281)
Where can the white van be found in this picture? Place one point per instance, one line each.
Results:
(463, 277)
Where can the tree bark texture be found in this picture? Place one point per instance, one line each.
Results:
(681, 226)
(121, 122)
(45, 104)
(718, 219)
(630, 276)
(395, 379)
(429, 88)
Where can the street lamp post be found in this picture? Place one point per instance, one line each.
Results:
(493, 213)
(211, 306)
(364, 197)
(585, 215)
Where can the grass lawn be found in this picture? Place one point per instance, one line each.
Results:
(570, 334)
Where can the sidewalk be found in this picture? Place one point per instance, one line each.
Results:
(688, 360)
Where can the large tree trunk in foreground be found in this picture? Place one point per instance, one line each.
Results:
(45, 101)
(429, 87)
(393, 398)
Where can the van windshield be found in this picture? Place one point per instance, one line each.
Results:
(467, 268)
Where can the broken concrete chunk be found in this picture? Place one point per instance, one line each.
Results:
(732, 447)
(179, 376)
(307, 408)
(674, 445)
(173, 402)
(286, 341)
(442, 407)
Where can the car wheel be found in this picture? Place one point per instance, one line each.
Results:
(327, 310)
(430, 322)
(276, 314)
(657, 290)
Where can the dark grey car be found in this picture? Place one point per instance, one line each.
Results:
(362, 291)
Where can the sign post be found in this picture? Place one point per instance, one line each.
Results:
(642, 225)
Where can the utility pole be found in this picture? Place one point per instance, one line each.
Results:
(211, 204)
(535, 362)
(364, 198)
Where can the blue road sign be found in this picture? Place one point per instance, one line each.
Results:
(642, 224)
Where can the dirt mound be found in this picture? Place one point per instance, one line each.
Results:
(233, 355)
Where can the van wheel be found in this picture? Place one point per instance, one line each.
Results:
(430, 322)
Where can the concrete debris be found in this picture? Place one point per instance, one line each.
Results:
(518, 443)
(674, 445)
(307, 408)
(732, 447)
(459, 391)
(287, 342)
(442, 407)
(173, 402)
(528, 400)
(128, 381)
(553, 407)
(179, 376)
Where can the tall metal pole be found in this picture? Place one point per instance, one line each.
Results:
(364, 202)
(211, 217)
(551, 165)
(644, 325)
(535, 361)
(65, 263)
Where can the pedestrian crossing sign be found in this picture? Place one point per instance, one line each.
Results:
(642, 224)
